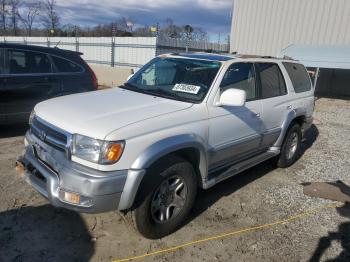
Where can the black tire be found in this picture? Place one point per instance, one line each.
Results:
(285, 159)
(143, 218)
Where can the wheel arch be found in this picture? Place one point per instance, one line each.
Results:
(189, 147)
(292, 117)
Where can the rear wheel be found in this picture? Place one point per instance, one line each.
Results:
(290, 149)
(170, 193)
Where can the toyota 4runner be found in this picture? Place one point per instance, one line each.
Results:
(181, 122)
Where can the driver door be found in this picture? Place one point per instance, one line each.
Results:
(235, 132)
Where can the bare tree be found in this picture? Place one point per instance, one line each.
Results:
(4, 8)
(142, 31)
(199, 34)
(121, 24)
(170, 29)
(29, 14)
(14, 14)
(50, 17)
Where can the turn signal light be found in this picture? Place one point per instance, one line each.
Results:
(71, 198)
(74, 198)
(114, 152)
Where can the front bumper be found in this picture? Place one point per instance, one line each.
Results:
(51, 173)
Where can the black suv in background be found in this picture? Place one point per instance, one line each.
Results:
(30, 74)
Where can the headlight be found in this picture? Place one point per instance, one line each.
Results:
(97, 151)
(31, 117)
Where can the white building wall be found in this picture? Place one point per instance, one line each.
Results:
(265, 27)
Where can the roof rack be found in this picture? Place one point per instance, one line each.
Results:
(264, 56)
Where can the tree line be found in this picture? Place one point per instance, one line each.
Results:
(42, 18)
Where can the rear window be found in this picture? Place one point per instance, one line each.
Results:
(271, 80)
(299, 77)
(66, 66)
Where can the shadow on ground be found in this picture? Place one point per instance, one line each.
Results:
(44, 233)
(343, 233)
(342, 236)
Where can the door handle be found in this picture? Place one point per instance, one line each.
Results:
(255, 114)
(289, 107)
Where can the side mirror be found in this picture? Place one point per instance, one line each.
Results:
(232, 97)
(130, 76)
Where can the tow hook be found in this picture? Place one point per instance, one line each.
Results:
(19, 166)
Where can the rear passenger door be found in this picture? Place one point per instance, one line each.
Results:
(72, 75)
(28, 80)
(303, 98)
(275, 101)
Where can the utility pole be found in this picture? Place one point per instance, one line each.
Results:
(188, 30)
(114, 30)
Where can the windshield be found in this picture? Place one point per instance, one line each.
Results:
(181, 79)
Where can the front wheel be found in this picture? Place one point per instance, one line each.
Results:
(168, 200)
(290, 149)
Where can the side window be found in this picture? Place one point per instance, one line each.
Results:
(28, 62)
(271, 80)
(66, 66)
(299, 77)
(240, 76)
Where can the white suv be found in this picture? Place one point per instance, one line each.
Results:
(181, 122)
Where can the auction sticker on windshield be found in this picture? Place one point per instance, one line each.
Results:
(191, 89)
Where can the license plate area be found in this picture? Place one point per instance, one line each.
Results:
(38, 152)
(42, 155)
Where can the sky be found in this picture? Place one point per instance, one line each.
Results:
(214, 16)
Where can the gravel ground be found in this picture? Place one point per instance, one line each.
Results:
(32, 230)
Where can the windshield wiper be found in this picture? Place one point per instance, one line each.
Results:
(135, 88)
(175, 96)
(157, 92)
(167, 94)
(128, 85)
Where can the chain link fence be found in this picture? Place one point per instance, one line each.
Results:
(119, 51)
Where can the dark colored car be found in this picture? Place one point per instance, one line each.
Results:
(31, 74)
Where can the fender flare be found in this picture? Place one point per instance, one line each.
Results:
(154, 152)
(169, 145)
(290, 117)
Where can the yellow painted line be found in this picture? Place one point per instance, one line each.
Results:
(230, 234)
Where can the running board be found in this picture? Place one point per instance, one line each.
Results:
(239, 167)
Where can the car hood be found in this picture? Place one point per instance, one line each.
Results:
(98, 113)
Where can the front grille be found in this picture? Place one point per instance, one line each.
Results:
(49, 135)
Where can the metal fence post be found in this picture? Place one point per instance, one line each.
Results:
(157, 46)
(112, 52)
(187, 44)
(77, 44)
(48, 42)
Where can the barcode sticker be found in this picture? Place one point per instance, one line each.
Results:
(191, 89)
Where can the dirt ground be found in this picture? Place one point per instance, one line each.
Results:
(32, 230)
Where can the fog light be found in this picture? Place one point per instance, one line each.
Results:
(75, 199)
